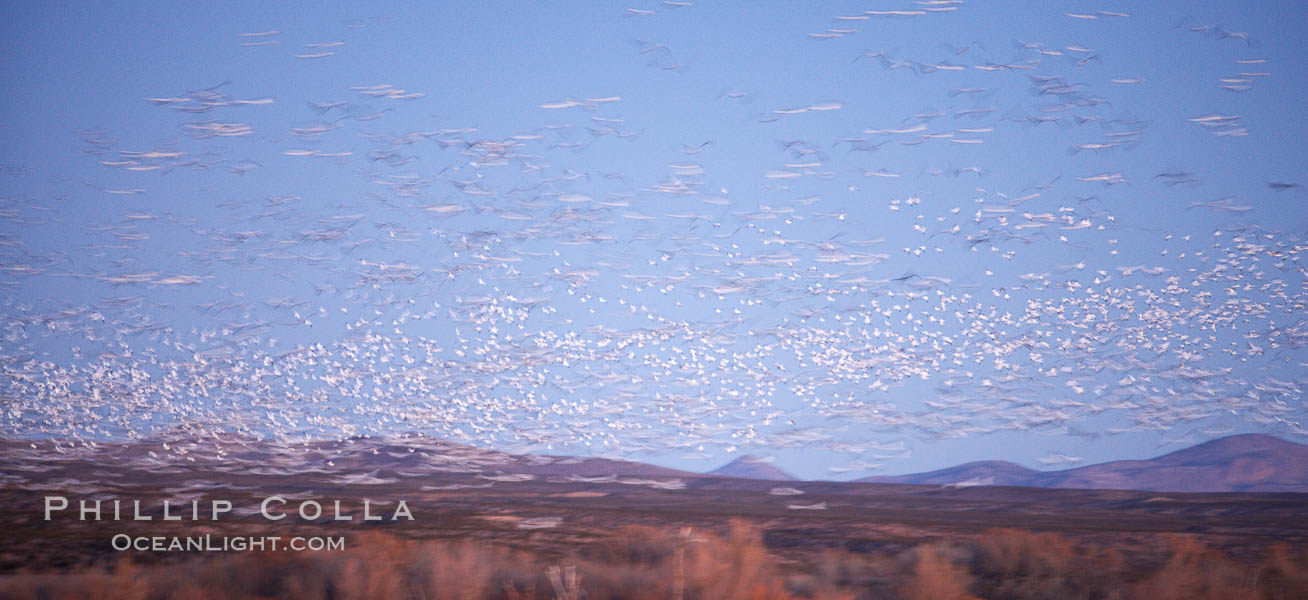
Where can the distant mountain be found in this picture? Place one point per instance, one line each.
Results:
(752, 467)
(1238, 463)
(984, 472)
(400, 455)
(410, 452)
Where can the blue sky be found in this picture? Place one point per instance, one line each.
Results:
(871, 243)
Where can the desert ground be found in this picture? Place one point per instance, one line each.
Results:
(539, 528)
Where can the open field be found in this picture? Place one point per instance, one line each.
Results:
(493, 534)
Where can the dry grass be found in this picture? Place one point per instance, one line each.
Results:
(647, 563)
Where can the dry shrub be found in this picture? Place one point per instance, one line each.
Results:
(935, 576)
(374, 567)
(634, 545)
(642, 563)
(1195, 572)
(737, 567)
(635, 564)
(686, 564)
(1284, 575)
(844, 569)
(1018, 564)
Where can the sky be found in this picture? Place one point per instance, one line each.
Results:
(861, 238)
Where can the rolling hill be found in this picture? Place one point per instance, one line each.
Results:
(1238, 463)
(752, 467)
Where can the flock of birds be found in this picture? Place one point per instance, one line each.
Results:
(524, 291)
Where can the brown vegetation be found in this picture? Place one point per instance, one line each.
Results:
(648, 563)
